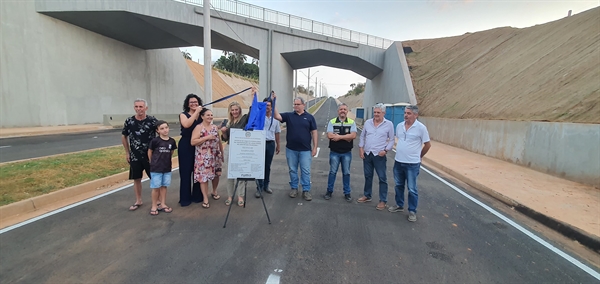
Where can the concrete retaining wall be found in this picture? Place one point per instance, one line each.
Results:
(117, 120)
(393, 85)
(55, 73)
(567, 150)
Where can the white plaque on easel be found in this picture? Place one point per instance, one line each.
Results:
(246, 154)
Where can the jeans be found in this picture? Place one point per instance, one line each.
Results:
(379, 164)
(335, 159)
(188, 191)
(158, 180)
(404, 172)
(269, 154)
(303, 158)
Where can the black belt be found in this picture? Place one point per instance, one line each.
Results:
(270, 141)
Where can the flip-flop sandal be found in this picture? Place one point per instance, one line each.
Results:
(215, 196)
(154, 212)
(165, 209)
(135, 207)
(363, 200)
(227, 202)
(206, 205)
(241, 203)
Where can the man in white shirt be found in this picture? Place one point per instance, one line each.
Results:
(272, 130)
(413, 144)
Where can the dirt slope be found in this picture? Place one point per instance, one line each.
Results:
(548, 72)
(223, 85)
(353, 101)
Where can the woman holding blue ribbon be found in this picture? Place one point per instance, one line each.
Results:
(188, 119)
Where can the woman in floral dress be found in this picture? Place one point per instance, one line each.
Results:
(209, 155)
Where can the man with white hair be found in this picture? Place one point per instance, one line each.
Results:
(413, 144)
(138, 131)
(376, 139)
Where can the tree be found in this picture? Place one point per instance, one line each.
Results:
(186, 55)
(356, 90)
(235, 63)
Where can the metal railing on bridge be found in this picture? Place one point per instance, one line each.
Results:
(286, 20)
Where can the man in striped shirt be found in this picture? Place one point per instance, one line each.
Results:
(376, 139)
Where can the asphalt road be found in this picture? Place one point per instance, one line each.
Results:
(453, 241)
(19, 148)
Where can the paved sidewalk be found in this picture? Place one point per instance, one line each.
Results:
(45, 130)
(568, 207)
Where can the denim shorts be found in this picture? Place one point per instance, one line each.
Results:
(158, 180)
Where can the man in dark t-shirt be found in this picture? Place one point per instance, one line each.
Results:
(301, 129)
(138, 131)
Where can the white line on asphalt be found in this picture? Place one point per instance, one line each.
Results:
(4, 146)
(10, 228)
(318, 150)
(523, 230)
(273, 279)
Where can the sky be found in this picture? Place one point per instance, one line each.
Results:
(400, 20)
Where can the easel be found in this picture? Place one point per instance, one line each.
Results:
(237, 183)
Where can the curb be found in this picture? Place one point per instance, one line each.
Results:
(53, 131)
(37, 203)
(46, 202)
(567, 230)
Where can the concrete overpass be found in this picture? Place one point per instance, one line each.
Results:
(281, 42)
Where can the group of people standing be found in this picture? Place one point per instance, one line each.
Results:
(200, 153)
(201, 158)
(412, 143)
(376, 140)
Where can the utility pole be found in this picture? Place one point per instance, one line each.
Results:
(308, 87)
(207, 49)
(316, 87)
(295, 84)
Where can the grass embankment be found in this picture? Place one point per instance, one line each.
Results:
(314, 108)
(27, 179)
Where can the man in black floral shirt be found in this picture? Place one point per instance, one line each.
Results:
(140, 129)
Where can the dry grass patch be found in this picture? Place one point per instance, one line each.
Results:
(23, 180)
(314, 108)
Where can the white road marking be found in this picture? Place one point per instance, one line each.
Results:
(318, 150)
(10, 228)
(567, 257)
(273, 279)
(5, 146)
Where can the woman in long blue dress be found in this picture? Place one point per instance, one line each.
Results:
(190, 117)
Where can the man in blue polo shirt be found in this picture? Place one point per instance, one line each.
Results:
(301, 129)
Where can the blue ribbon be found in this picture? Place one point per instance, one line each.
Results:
(227, 97)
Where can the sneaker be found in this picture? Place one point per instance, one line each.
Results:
(294, 193)
(396, 208)
(306, 195)
(268, 190)
(257, 194)
(348, 197)
(327, 195)
(412, 216)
